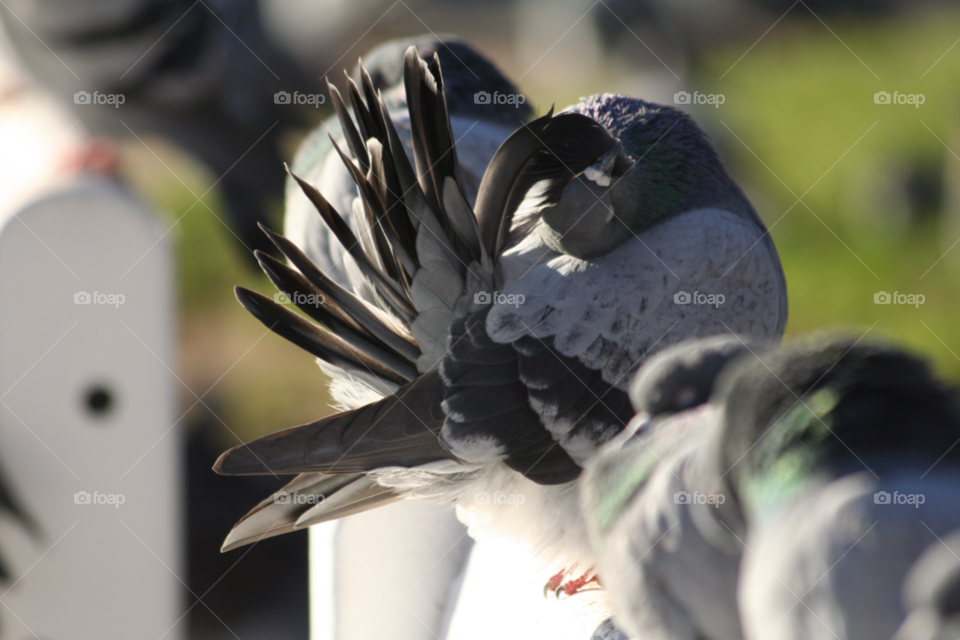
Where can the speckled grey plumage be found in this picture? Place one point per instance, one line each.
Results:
(801, 443)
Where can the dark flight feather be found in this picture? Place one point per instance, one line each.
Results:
(354, 141)
(399, 431)
(288, 280)
(312, 338)
(371, 319)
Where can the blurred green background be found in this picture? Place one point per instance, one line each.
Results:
(879, 210)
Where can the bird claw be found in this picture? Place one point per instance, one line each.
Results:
(570, 587)
(554, 582)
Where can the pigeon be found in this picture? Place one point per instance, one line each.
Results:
(430, 539)
(203, 77)
(860, 482)
(790, 505)
(931, 593)
(666, 563)
(496, 356)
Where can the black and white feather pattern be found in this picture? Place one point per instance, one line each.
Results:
(511, 397)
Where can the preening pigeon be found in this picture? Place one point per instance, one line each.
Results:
(503, 335)
(428, 537)
(791, 505)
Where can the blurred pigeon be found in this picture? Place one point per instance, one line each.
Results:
(860, 478)
(664, 559)
(503, 334)
(201, 74)
(817, 465)
(931, 593)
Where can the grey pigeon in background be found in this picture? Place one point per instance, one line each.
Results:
(857, 481)
(202, 74)
(501, 336)
(821, 473)
(667, 562)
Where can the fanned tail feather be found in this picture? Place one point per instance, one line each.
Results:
(423, 250)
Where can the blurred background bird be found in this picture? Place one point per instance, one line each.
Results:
(669, 566)
(791, 505)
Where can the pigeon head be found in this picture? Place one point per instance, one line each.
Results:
(670, 384)
(827, 408)
(682, 376)
(659, 163)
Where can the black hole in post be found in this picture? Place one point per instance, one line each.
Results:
(100, 401)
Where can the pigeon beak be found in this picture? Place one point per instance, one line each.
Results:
(601, 171)
(638, 425)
